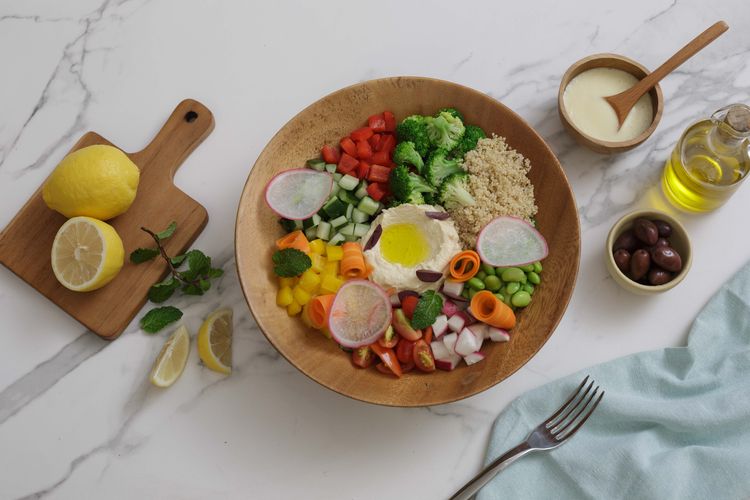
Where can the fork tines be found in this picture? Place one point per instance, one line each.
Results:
(575, 411)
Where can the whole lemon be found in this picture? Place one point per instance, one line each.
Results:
(96, 181)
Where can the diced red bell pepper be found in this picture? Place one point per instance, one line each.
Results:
(347, 164)
(364, 151)
(348, 146)
(380, 157)
(363, 169)
(387, 143)
(361, 134)
(374, 141)
(390, 121)
(390, 164)
(378, 173)
(330, 154)
(376, 190)
(377, 122)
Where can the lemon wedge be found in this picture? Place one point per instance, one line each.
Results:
(171, 361)
(86, 254)
(215, 341)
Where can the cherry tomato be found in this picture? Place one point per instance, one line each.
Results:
(388, 357)
(423, 356)
(363, 356)
(427, 335)
(389, 339)
(405, 351)
(406, 368)
(409, 304)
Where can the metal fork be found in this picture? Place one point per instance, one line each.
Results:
(548, 435)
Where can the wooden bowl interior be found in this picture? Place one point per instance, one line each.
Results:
(617, 62)
(325, 122)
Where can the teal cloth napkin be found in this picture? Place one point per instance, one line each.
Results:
(674, 423)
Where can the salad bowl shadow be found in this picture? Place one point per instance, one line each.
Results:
(325, 122)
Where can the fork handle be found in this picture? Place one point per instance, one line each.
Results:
(486, 475)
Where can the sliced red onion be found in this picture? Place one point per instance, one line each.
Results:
(374, 238)
(438, 215)
(407, 293)
(428, 276)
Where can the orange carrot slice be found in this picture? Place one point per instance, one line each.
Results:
(464, 265)
(353, 264)
(296, 239)
(489, 309)
(320, 307)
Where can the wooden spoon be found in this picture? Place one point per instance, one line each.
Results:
(624, 101)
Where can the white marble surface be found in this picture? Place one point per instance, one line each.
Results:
(78, 418)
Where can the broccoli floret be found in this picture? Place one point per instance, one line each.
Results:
(439, 167)
(429, 198)
(468, 141)
(405, 153)
(454, 193)
(452, 111)
(445, 130)
(404, 184)
(414, 129)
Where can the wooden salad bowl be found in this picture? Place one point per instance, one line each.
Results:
(325, 122)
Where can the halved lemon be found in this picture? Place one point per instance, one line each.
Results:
(171, 360)
(86, 254)
(215, 341)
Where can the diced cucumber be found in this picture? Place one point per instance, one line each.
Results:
(361, 191)
(322, 214)
(316, 219)
(352, 238)
(361, 229)
(308, 223)
(337, 238)
(359, 216)
(335, 188)
(347, 197)
(368, 205)
(316, 164)
(334, 208)
(339, 221)
(349, 210)
(348, 182)
(331, 167)
(291, 225)
(311, 232)
(324, 231)
(347, 230)
(337, 176)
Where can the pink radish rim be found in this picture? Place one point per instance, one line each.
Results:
(287, 172)
(541, 236)
(389, 313)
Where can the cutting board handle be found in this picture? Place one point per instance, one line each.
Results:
(185, 129)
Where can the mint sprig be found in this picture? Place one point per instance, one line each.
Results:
(428, 308)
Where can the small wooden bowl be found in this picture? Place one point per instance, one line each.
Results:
(679, 240)
(325, 122)
(608, 61)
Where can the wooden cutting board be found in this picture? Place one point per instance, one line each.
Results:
(26, 243)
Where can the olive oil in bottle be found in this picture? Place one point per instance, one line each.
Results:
(710, 160)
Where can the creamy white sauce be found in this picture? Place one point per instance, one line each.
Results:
(591, 114)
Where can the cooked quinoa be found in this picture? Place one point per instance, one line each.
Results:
(500, 186)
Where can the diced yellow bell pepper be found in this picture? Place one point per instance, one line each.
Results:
(309, 282)
(293, 309)
(334, 252)
(301, 296)
(332, 268)
(290, 282)
(318, 262)
(284, 296)
(317, 247)
(305, 316)
(330, 284)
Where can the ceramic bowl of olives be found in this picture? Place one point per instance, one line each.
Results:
(648, 252)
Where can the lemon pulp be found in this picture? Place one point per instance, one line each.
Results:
(404, 244)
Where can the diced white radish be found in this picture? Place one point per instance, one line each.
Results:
(440, 326)
(450, 340)
(468, 319)
(467, 343)
(439, 351)
(448, 364)
(450, 308)
(498, 334)
(395, 301)
(474, 357)
(453, 289)
(481, 330)
(468, 311)
(456, 323)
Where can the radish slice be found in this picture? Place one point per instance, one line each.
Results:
(467, 343)
(509, 241)
(456, 323)
(474, 357)
(440, 326)
(498, 334)
(360, 313)
(298, 193)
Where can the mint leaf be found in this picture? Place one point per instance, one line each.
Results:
(140, 255)
(178, 260)
(428, 308)
(158, 318)
(191, 289)
(205, 285)
(215, 273)
(169, 231)
(198, 263)
(290, 262)
(162, 291)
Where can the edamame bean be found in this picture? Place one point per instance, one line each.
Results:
(537, 267)
(521, 299)
(492, 283)
(512, 288)
(500, 296)
(513, 274)
(527, 268)
(534, 278)
(475, 284)
(481, 275)
(488, 269)
(528, 288)
(473, 292)
(465, 293)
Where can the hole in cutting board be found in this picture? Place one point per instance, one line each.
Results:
(191, 116)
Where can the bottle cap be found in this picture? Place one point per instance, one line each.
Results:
(738, 117)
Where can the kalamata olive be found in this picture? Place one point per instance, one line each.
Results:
(662, 242)
(646, 231)
(667, 258)
(622, 260)
(626, 240)
(657, 276)
(639, 264)
(665, 230)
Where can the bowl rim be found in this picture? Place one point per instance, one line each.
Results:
(613, 146)
(566, 298)
(616, 230)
